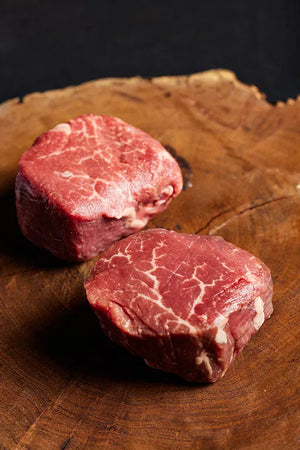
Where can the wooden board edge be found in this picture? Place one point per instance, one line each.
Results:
(212, 76)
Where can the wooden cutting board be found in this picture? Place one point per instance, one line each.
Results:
(64, 385)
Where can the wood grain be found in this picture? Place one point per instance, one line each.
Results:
(63, 384)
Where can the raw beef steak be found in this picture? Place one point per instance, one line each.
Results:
(188, 304)
(86, 183)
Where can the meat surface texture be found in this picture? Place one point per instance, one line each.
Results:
(89, 182)
(187, 304)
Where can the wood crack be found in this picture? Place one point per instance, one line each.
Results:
(212, 219)
(238, 212)
(66, 443)
(134, 98)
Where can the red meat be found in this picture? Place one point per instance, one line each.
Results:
(89, 182)
(187, 304)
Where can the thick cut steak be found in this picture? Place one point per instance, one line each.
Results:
(87, 183)
(187, 304)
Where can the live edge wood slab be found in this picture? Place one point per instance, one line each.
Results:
(64, 385)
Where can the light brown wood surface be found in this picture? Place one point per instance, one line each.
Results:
(63, 384)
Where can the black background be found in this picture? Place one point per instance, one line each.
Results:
(51, 44)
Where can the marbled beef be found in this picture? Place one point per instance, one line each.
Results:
(86, 183)
(187, 304)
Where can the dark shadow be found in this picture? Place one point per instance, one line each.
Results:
(13, 244)
(75, 341)
(186, 169)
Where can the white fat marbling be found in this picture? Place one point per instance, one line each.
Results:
(203, 358)
(66, 174)
(260, 316)
(221, 337)
(63, 128)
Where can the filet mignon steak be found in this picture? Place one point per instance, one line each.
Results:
(187, 304)
(87, 183)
